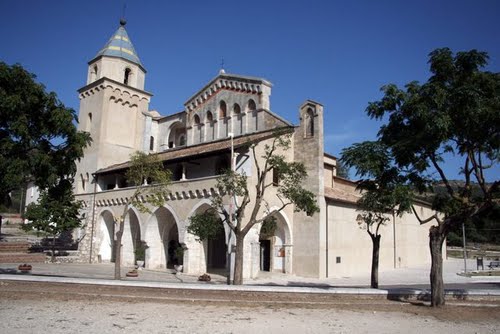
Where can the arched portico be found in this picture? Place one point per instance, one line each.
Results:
(106, 237)
(208, 255)
(276, 249)
(162, 239)
(131, 238)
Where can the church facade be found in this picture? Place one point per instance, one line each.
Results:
(195, 144)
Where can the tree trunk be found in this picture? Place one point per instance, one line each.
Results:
(375, 259)
(53, 257)
(436, 239)
(118, 249)
(238, 260)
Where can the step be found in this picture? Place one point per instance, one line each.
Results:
(22, 258)
(14, 247)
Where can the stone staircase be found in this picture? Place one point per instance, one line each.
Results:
(18, 252)
(15, 243)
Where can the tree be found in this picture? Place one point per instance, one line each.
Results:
(39, 141)
(231, 183)
(151, 180)
(342, 169)
(385, 191)
(455, 113)
(55, 212)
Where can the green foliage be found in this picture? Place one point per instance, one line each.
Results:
(268, 227)
(38, 139)
(205, 225)
(385, 189)
(342, 170)
(147, 167)
(140, 251)
(56, 211)
(454, 113)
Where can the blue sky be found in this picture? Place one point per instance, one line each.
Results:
(338, 53)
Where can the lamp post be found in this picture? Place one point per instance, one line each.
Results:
(229, 246)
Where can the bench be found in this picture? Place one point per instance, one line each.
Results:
(494, 264)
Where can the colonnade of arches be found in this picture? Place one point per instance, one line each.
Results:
(163, 234)
(210, 125)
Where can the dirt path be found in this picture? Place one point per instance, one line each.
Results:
(72, 308)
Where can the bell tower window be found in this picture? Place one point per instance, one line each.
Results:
(151, 143)
(126, 77)
(310, 123)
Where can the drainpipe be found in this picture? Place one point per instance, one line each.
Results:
(326, 240)
(394, 233)
(93, 217)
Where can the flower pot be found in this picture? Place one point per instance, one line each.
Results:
(25, 268)
(178, 268)
(140, 264)
(132, 273)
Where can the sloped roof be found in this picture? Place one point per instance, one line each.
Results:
(200, 149)
(120, 46)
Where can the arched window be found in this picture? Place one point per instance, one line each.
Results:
(95, 72)
(182, 140)
(251, 105)
(151, 143)
(310, 123)
(209, 127)
(237, 120)
(252, 112)
(222, 109)
(236, 109)
(127, 76)
(196, 119)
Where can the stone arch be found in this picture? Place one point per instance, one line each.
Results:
(132, 237)
(276, 250)
(208, 255)
(223, 120)
(209, 125)
(176, 136)
(106, 236)
(161, 234)
(237, 120)
(251, 111)
(197, 129)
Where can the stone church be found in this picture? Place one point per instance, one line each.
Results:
(195, 144)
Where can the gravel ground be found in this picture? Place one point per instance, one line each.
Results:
(35, 307)
(78, 316)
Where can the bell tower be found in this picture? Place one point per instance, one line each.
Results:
(112, 107)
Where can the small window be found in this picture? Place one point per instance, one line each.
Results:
(127, 76)
(182, 141)
(89, 122)
(222, 109)
(310, 123)
(251, 105)
(196, 119)
(210, 118)
(170, 144)
(276, 178)
(236, 109)
(83, 182)
(151, 143)
(95, 72)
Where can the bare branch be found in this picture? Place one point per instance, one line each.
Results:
(425, 221)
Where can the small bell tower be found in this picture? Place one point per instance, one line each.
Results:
(113, 104)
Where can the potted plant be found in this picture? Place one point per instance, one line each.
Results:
(179, 258)
(140, 253)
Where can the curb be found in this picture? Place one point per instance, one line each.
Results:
(401, 292)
